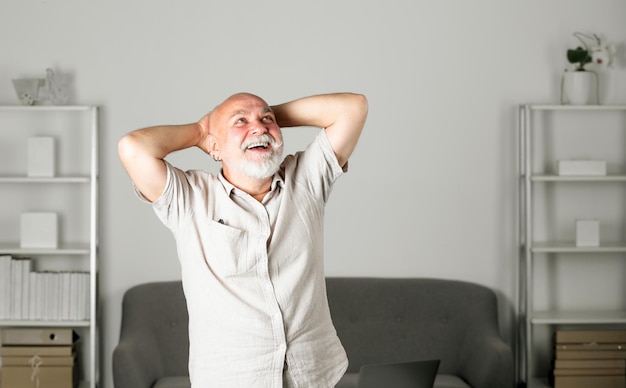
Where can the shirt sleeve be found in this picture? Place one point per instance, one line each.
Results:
(174, 202)
(316, 168)
(329, 155)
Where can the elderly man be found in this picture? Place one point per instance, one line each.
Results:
(250, 240)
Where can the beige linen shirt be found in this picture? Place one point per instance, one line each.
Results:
(253, 274)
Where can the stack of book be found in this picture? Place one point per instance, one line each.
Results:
(41, 357)
(590, 358)
(47, 295)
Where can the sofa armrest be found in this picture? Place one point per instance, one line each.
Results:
(135, 365)
(488, 362)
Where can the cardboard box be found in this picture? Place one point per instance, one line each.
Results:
(10, 351)
(591, 354)
(590, 372)
(41, 360)
(39, 372)
(588, 382)
(589, 364)
(591, 346)
(38, 336)
(43, 377)
(589, 336)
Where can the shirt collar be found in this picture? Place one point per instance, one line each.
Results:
(277, 181)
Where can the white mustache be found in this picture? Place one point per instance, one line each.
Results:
(262, 139)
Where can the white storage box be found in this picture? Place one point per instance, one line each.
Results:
(587, 233)
(582, 167)
(40, 157)
(39, 230)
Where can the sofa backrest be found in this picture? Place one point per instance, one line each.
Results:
(392, 320)
(155, 315)
(377, 319)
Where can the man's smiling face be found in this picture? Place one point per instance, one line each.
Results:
(248, 139)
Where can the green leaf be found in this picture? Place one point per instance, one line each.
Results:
(579, 55)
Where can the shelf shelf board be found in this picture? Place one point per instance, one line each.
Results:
(46, 108)
(583, 317)
(63, 249)
(58, 179)
(578, 178)
(38, 323)
(616, 107)
(570, 247)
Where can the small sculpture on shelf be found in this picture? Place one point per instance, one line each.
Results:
(27, 89)
(31, 91)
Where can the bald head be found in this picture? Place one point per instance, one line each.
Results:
(236, 104)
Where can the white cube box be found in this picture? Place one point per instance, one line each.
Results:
(40, 157)
(582, 167)
(39, 230)
(587, 233)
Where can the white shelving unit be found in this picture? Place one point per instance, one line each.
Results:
(547, 243)
(72, 192)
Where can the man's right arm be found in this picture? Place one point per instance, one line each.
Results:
(142, 153)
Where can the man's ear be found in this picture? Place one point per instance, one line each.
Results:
(212, 147)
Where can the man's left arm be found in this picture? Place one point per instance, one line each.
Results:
(342, 115)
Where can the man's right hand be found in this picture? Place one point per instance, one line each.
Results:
(205, 125)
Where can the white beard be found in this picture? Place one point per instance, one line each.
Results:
(261, 169)
(267, 165)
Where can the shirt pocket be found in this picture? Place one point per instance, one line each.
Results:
(227, 250)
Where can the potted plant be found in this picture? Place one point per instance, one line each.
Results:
(577, 86)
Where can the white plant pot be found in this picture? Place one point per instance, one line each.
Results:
(579, 87)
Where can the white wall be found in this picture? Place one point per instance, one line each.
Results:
(431, 191)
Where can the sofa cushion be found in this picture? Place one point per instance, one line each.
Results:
(349, 380)
(449, 381)
(173, 382)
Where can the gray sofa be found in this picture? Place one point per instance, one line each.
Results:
(378, 320)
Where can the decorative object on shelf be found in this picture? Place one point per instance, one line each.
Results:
(27, 89)
(56, 89)
(31, 91)
(580, 85)
(40, 156)
(582, 167)
(587, 233)
(39, 230)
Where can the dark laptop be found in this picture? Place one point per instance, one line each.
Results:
(413, 374)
